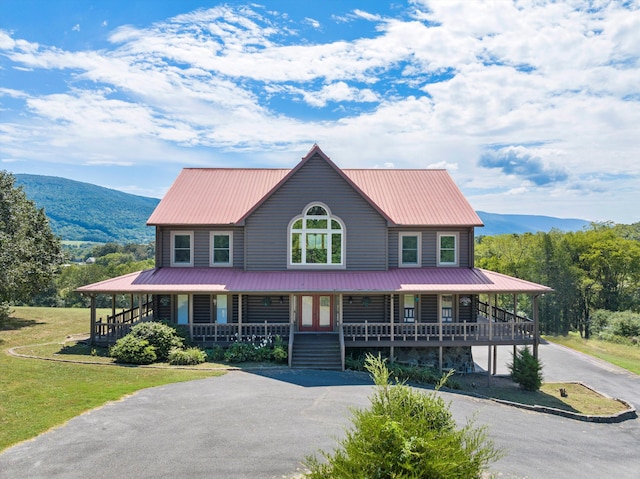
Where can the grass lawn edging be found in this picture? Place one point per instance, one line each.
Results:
(629, 413)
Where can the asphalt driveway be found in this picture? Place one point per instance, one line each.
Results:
(246, 425)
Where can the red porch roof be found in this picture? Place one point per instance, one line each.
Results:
(224, 280)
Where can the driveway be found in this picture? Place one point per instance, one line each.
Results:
(246, 425)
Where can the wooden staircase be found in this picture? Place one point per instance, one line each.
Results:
(316, 351)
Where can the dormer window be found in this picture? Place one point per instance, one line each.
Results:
(316, 238)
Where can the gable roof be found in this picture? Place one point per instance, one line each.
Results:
(402, 197)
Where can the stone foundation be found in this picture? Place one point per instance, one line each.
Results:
(458, 358)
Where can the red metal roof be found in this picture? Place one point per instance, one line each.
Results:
(225, 280)
(222, 196)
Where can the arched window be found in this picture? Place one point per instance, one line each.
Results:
(316, 238)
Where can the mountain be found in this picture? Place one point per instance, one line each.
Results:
(84, 212)
(496, 224)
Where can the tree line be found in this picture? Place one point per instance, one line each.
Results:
(594, 269)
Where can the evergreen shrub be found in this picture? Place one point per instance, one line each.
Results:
(526, 370)
(161, 336)
(405, 433)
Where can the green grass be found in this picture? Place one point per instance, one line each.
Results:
(36, 395)
(625, 356)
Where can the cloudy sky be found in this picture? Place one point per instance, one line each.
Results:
(532, 106)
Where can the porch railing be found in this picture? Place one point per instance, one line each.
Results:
(118, 325)
(499, 314)
(375, 332)
(226, 333)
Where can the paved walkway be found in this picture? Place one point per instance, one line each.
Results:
(245, 425)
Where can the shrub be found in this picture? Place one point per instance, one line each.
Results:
(5, 311)
(526, 370)
(133, 350)
(215, 354)
(189, 356)
(280, 354)
(239, 352)
(625, 323)
(161, 336)
(405, 433)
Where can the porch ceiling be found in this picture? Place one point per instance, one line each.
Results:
(224, 280)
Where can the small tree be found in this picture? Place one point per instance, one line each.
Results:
(405, 434)
(526, 370)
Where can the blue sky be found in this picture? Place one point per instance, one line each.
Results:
(532, 106)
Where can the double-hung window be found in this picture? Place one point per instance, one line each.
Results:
(182, 248)
(410, 249)
(447, 249)
(221, 248)
(316, 238)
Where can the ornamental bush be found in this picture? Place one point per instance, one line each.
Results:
(526, 370)
(405, 433)
(161, 336)
(189, 356)
(133, 350)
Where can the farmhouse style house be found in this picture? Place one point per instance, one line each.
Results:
(326, 258)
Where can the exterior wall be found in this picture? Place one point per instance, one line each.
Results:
(356, 312)
(201, 245)
(255, 311)
(266, 230)
(430, 245)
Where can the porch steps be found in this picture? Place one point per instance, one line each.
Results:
(316, 351)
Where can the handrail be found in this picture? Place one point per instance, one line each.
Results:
(500, 314)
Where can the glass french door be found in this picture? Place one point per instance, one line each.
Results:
(316, 312)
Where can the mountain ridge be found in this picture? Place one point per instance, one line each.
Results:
(76, 211)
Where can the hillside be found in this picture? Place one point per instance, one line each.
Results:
(85, 212)
(496, 224)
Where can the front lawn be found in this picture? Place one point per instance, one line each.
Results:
(36, 395)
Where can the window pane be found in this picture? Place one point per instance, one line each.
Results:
(316, 248)
(336, 248)
(447, 256)
(409, 257)
(296, 249)
(182, 241)
(448, 242)
(297, 225)
(221, 241)
(317, 224)
(410, 242)
(182, 256)
(316, 211)
(335, 225)
(221, 256)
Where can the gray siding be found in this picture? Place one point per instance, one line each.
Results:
(430, 245)
(254, 311)
(201, 245)
(356, 312)
(429, 308)
(266, 229)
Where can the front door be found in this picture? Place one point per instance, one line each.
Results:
(316, 312)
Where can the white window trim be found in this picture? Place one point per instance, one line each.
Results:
(401, 235)
(221, 233)
(191, 255)
(343, 240)
(456, 237)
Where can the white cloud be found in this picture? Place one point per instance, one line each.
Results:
(548, 87)
(76, 27)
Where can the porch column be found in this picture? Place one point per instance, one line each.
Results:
(239, 317)
(491, 317)
(440, 360)
(113, 305)
(92, 334)
(140, 307)
(489, 367)
(495, 359)
(536, 333)
(391, 349)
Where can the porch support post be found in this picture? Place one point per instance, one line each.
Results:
(495, 359)
(239, 317)
(491, 313)
(391, 315)
(489, 367)
(440, 359)
(140, 307)
(113, 305)
(536, 332)
(515, 307)
(92, 334)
